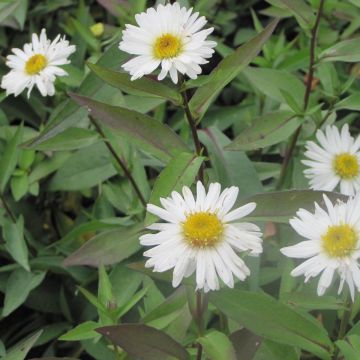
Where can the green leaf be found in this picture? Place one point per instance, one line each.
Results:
(21, 349)
(351, 102)
(15, 244)
(227, 70)
(287, 203)
(311, 301)
(132, 302)
(71, 139)
(140, 87)
(86, 168)
(230, 168)
(270, 350)
(274, 83)
(9, 158)
(347, 50)
(266, 317)
(144, 342)
(162, 315)
(180, 171)
(147, 133)
(107, 248)
(217, 346)
(303, 12)
(350, 348)
(19, 186)
(266, 130)
(84, 331)
(18, 287)
(105, 294)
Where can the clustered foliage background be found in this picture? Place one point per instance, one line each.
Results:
(70, 220)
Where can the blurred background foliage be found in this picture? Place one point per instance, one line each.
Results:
(67, 206)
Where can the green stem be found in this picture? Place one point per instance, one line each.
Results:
(344, 323)
(290, 149)
(193, 128)
(200, 321)
(119, 161)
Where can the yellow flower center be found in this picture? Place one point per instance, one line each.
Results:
(346, 165)
(35, 64)
(339, 241)
(203, 229)
(167, 46)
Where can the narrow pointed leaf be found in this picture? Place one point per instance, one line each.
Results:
(144, 342)
(227, 70)
(147, 133)
(269, 318)
(287, 203)
(266, 130)
(142, 87)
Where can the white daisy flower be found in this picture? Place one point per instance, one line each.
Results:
(336, 160)
(332, 245)
(168, 36)
(37, 64)
(201, 235)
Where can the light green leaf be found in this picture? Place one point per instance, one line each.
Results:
(351, 102)
(274, 83)
(109, 247)
(84, 331)
(9, 158)
(230, 168)
(180, 171)
(266, 130)
(86, 168)
(311, 301)
(347, 51)
(287, 203)
(266, 317)
(217, 346)
(18, 287)
(15, 244)
(141, 87)
(20, 350)
(70, 139)
(105, 294)
(147, 133)
(19, 186)
(350, 348)
(227, 70)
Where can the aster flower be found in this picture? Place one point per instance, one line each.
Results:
(169, 37)
(332, 245)
(201, 234)
(336, 160)
(37, 64)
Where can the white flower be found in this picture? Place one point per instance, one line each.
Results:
(169, 36)
(37, 64)
(336, 160)
(199, 234)
(332, 244)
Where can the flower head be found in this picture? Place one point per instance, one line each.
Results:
(333, 244)
(336, 160)
(170, 37)
(37, 64)
(200, 235)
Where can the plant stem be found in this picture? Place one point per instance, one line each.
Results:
(119, 161)
(290, 149)
(192, 124)
(200, 302)
(344, 323)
